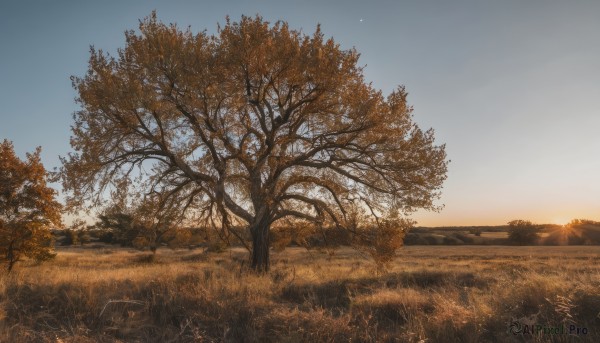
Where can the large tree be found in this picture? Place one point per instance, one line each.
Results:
(27, 207)
(250, 126)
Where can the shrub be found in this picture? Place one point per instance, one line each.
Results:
(476, 231)
(381, 241)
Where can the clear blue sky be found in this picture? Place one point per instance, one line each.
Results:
(512, 87)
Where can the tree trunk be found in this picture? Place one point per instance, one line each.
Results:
(10, 257)
(260, 246)
(11, 264)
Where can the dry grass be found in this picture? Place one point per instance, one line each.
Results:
(429, 294)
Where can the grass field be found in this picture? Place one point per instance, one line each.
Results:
(429, 294)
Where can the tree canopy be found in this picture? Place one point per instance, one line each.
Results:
(27, 207)
(256, 124)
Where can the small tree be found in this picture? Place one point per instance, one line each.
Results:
(117, 226)
(143, 223)
(27, 207)
(74, 234)
(157, 222)
(523, 232)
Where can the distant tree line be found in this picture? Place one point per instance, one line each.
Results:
(123, 229)
(518, 232)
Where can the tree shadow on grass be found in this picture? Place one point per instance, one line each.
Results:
(337, 295)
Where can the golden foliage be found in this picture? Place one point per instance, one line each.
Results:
(27, 207)
(382, 241)
(247, 127)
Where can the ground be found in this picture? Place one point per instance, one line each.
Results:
(428, 294)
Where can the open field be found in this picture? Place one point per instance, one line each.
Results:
(429, 294)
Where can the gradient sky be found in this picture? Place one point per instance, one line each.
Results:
(511, 87)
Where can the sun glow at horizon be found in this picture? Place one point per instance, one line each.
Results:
(561, 221)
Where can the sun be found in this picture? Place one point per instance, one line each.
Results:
(560, 221)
